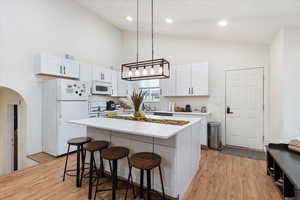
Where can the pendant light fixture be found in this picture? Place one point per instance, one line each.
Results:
(146, 69)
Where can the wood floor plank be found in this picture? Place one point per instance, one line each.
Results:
(221, 177)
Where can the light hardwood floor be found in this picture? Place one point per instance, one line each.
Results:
(221, 177)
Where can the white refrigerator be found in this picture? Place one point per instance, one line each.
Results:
(63, 101)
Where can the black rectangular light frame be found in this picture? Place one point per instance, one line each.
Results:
(146, 64)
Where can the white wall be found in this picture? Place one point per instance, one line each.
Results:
(219, 55)
(285, 81)
(276, 88)
(54, 26)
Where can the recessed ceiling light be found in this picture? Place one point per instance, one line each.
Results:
(169, 20)
(223, 23)
(128, 18)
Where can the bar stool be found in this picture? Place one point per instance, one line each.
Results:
(113, 154)
(92, 147)
(146, 161)
(78, 142)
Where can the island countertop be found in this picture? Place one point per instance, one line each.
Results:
(156, 130)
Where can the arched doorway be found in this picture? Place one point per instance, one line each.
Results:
(12, 130)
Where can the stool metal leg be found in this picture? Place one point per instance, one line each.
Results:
(142, 184)
(114, 179)
(101, 165)
(78, 166)
(83, 167)
(66, 163)
(162, 183)
(82, 163)
(129, 182)
(91, 176)
(148, 183)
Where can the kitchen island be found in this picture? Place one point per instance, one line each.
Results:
(179, 147)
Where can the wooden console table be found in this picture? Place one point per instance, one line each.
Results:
(284, 166)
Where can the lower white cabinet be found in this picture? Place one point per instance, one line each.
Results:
(168, 155)
(51, 65)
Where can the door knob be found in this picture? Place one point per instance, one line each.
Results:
(228, 110)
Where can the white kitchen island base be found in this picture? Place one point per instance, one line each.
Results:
(180, 153)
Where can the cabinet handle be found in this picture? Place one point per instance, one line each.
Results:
(64, 69)
(189, 90)
(192, 90)
(60, 69)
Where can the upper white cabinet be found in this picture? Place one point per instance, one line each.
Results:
(57, 66)
(192, 80)
(199, 78)
(183, 80)
(102, 74)
(119, 86)
(167, 86)
(86, 71)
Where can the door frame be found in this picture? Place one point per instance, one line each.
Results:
(13, 134)
(263, 105)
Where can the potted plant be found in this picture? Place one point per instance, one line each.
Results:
(137, 98)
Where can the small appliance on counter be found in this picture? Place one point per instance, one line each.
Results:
(110, 105)
(188, 108)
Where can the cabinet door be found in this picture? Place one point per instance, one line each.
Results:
(168, 86)
(114, 81)
(122, 85)
(71, 68)
(107, 73)
(199, 75)
(183, 80)
(86, 75)
(168, 166)
(97, 73)
(48, 64)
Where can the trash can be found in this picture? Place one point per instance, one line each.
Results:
(214, 135)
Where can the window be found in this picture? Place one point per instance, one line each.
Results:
(151, 94)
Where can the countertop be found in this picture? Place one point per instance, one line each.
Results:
(163, 131)
(183, 113)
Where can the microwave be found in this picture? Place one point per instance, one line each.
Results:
(101, 88)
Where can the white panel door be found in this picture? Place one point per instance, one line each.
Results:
(183, 80)
(70, 110)
(244, 108)
(199, 75)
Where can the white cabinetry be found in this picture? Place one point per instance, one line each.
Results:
(183, 80)
(167, 86)
(190, 80)
(57, 66)
(119, 86)
(199, 78)
(102, 74)
(86, 74)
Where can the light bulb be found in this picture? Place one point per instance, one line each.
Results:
(130, 73)
(152, 72)
(160, 70)
(137, 72)
(145, 71)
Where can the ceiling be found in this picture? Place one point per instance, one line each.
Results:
(255, 21)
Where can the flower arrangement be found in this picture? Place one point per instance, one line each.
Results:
(137, 98)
